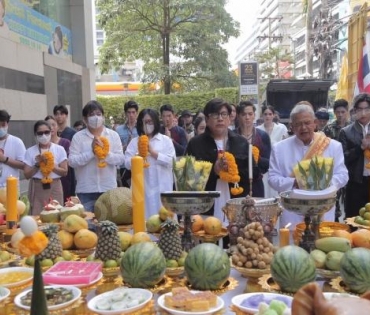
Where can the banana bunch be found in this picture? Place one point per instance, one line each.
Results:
(315, 173)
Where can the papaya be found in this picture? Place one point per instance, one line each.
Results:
(85, 239)
(333, 259)
(333, 243)
(73, 223)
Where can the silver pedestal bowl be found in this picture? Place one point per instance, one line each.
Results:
(312, 209)
(187, 203)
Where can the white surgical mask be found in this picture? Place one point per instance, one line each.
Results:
(95, 121)
(149, 129)
(3, 131)
(44, 139)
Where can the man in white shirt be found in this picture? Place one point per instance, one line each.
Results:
(12, 151)
(92, 180)
(288, 152)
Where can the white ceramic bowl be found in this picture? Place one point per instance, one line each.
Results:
(238, 300)
(16, 269)
(4, 293)
(92, 303)
(75, 291)
(219, 306)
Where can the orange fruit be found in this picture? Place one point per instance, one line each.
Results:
(212, 225)
(197, 221)
(140, 237)
(361, 238)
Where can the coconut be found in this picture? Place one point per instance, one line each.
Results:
(50, 214)
(115, 205)
(70, 208)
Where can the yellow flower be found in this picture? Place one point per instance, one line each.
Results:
(198, 167)
(181, 163)
(46, 167)
(256, 153)
(232, 173)
(102, 152)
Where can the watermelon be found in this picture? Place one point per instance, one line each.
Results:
(292, 267)
(207, 267)
(355, 269)
(143, 265)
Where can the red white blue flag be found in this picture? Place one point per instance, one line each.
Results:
(363, 74)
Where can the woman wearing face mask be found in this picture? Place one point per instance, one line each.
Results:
(158, 176)
(45, 164)
(93, 179)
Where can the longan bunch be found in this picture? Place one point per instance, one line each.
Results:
(253, 250)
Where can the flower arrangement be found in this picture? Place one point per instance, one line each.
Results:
(191, 175)
(232, 173)
(102, 151)
(46, 167)
(367, 156)
(143, 147)
(315, 173)
(256, 153)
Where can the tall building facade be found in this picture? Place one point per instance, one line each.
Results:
(46, 58)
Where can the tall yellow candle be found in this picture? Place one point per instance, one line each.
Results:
(138, 193)
(284, 236)
(11, 204)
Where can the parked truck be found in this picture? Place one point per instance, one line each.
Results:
(284, 94)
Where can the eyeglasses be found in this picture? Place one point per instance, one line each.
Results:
(223, 115)
(40, 133)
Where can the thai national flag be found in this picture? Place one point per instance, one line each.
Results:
(363, 75)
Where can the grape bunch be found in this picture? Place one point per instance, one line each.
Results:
(253, 250)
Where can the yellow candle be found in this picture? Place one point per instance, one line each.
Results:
(284, 237)
(138, 193)
(11, 204)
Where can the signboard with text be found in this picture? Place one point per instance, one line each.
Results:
(248, 75)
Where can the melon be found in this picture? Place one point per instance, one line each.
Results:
(143, 265)
(115, 205)
(355, 269)
(207, 267)
(292, 267)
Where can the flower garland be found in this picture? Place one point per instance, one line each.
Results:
(46, 167)
(367, 156)
(232, 173)
(143, 147)
(102, 151)
(256, 153)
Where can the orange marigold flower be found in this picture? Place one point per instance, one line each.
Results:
(143, 147)
(256, 153)
(232, 173)
(33, 245)
(46, 167)
(102, 152)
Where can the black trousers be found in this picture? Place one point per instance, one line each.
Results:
(357, 195)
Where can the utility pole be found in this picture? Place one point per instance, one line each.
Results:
(271, 37)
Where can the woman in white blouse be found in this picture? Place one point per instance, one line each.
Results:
(158, 177)
(40, 193)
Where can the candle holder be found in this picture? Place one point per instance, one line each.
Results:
(188, 203)
(312, 210)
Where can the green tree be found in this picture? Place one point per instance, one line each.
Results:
(180, 41)
(274, 63)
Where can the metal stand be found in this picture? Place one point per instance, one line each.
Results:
(187, 239)
(308, 237)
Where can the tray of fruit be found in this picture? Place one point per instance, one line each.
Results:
(358, 222)
(6, 258)
(327, 274)
(174, 271)
(211, 238)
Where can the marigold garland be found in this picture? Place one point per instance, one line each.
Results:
(101, 152)
(232, 173)
(46, 167)
(143, 147)
(33, 245)
(256, 153)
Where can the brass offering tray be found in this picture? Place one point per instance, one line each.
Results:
(208, 238)
(269, 285)
(229, 284)
(175, 272)
(327, 274)
(60, 311)
(82, 253)
(338, 285)
(351, 222)
(164, 285)
(253, 273)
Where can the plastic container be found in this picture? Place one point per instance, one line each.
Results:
(73, 272)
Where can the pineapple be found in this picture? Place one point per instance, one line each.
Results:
(54, 248)
(109, 244)
(170, 241)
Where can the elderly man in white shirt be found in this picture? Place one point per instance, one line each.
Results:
(287, 153)
(92, 180)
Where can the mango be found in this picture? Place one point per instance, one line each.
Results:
(319, 258)
(333, 259)
(66, 238)
(73, 223)
(85, 239)
(333, 243)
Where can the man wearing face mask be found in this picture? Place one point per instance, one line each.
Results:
(12, 151)
(92, 180)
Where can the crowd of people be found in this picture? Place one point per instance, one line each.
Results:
(64, 160)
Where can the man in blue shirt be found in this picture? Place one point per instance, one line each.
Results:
(126, 132)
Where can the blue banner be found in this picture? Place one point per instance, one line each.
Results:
(29, 27)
